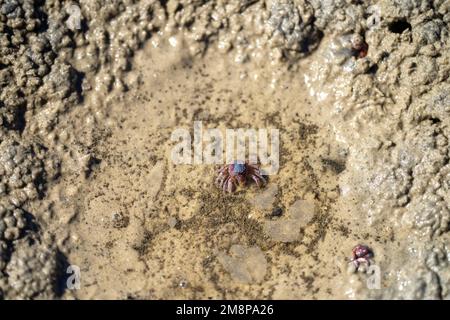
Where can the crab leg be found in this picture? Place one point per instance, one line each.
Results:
(260, 177)
(220, 179)
(222, 170)
(225, 184)
(230, 185)
(257, 181)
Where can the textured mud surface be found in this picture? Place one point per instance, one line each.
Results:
(359, 90)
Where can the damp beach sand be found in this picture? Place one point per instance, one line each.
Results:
(359, 92)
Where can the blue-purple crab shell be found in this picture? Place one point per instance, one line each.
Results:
(237, 174)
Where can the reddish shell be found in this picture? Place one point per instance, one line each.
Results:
(361, 251)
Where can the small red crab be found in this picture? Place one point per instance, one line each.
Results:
(232, 175)
(359, 46)
(361, 254)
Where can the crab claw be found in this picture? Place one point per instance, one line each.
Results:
(241, 180)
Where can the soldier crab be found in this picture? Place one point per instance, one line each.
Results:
(236, 174)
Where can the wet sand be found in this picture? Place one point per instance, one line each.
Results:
(361, 107)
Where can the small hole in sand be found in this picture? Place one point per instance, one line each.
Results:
(398, 26)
